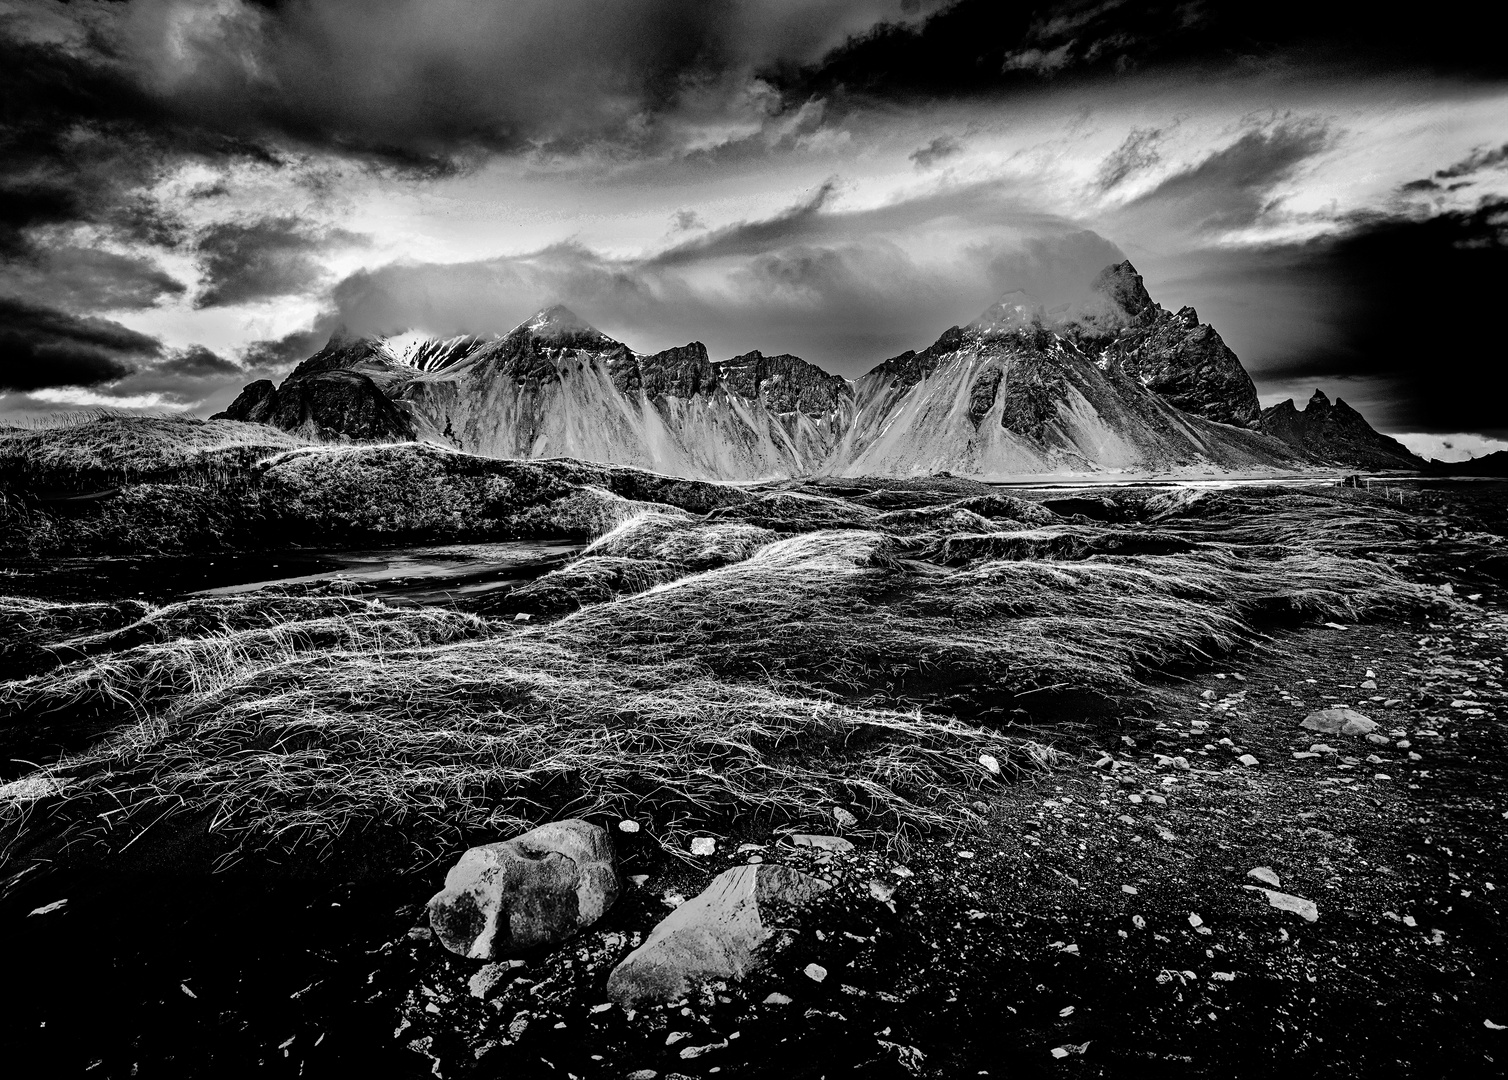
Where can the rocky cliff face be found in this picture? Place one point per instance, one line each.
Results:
(1111, 382)
(1336, 433)
(334, 396)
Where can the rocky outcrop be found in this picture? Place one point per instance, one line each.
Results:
(534, 890)
(332, 405)
(785, 384)
(716, 935)
(1336, 433)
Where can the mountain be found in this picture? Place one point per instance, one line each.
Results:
(1111, 381)
(1336, 433)
(1494, 464)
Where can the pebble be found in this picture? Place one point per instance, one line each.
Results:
(703, 845)
(628, 826)
(777, 999)
(815, 972)
(1248, 760)
(990, 763)
(1265, 873)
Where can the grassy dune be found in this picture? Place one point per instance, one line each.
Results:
(737, 662)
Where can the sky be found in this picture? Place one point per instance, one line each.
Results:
(195, 194)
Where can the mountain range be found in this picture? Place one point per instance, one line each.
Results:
(1112, 382)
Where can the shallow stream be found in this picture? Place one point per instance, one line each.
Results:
(439, 574)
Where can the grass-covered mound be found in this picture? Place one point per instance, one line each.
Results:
(184, 485)
(88, 452)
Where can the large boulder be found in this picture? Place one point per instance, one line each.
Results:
(536, 889)
(1339, 722)
(716, 935)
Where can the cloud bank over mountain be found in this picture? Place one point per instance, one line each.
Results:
(231, 179)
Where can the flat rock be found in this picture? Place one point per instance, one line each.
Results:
(1288, 902)
(714, 935)
(825, 843)
(1339, 722)
(536, 889)
(1265, 874)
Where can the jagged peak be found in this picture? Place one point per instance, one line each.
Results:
(1122, 284)
(557, 320)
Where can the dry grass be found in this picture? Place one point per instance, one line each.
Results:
(748, 675)
(836, 609)
(437, 744)
(1071, 542)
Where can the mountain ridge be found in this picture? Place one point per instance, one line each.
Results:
(1109, 382)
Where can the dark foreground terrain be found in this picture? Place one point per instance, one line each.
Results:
(222, 815)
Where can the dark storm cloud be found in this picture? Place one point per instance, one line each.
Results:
(1230, 188)
(276, 355)
(198, 362)
(43, 347)
(256, 260)
(89, 279)
(943, 146)
(1405, 304)
(983, 45)
(1138, 153)
(1476, 162)
(751, 237)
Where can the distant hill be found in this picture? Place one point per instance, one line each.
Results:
(1493, 464)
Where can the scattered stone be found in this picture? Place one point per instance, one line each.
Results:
(1287, 902)
(697, 1051)
(487, 978)
(825, 843)
(522, 616)
(1248, 760)
(815, 972)
(1195, 921)
(844, 819)
(1302, 755)
(1265, 873)
(536, 889)
(1368, 684)
(990, 763)
(715, 935)
(777, 999)
(703, 846)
